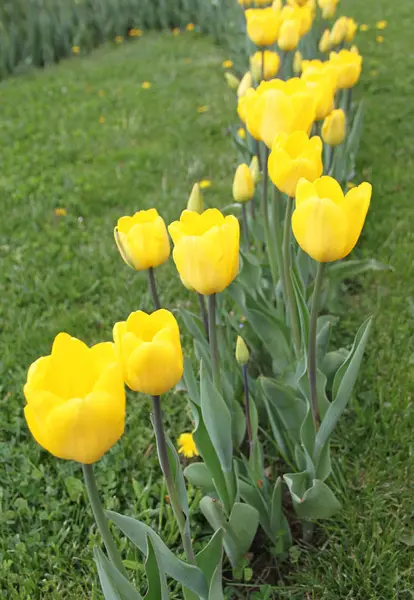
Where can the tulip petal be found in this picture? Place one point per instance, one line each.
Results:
(304, 190)
(154, 368)
(328, 187)
(70, 374)
(356, 205)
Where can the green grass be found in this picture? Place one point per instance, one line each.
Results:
(64, 273)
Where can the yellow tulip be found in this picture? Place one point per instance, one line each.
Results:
(297, 62)
(279, 107)
(325, 223)
(289, 35)
(339, 31)
(245, 103)
(232, 81)
(243, 184)
(334, 128)
(142, 240)
(349, 67)
(149, 348)
(325, 41)
(271, 64)
(351, 30)
(255, 169)
(293, 157)
(318, 68)
(328, 8)
(302, 15)
(206, 249)
(322, 83)
(76, 400)
(262, 25)
(245, 84)
(195, 202)
(277, 5)
(300, 2)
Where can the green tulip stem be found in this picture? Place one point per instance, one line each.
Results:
(171, 487)
(331, 157)
(101, 520)
(247, 407)
(152, 284)
(265, 212)
(204, 315)
(277, 238)
(214, 351)
(312, 343)
(245, 225)
(252, 208)
(290, 294)
(263, 66)
(348, 105)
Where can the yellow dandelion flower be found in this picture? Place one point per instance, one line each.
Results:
(380, 39)
(76, 50)
(202, 109)
(186, 445)
(188, 61)
(205, 183)
(190, 27)
(364, 27)
(176, 31)
(101, 119)
(61, 212)
(227, 64)
(374, 73)
(241, 133)
(146, 85)
(119, 39)
(382, 24)
(101, 93)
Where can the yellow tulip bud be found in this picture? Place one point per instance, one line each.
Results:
(150, 351)
(242, 351)
(243, 185)
(297, 62)
(195, 202)
(142, 240)
(206, 249)
(354, 49)
(348, 65)
(245, 84)
(339, 31)
(289, 36)
(262, 25)
(325, 41)
(334, 128)
(76, 400)
(325, 223)
(293, 157)
(328, 8)
(232, 81)
(254, 169)
(351, 30)
(271, 64)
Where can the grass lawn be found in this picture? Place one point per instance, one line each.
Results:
(64, 273)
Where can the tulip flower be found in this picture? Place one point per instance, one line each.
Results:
(302, 15)
(297, 62)
(289, 35)
(245, 103)
(195, 201)
(271, 61)
(255, 169)
(294, 157)
(262, 25)
(206, 249)
(142, 240)
(279, 107)
(322, 83)
(351, 30)
(245, 84)
(232, 81)
(325, 41)
(243, 185)
(325, 223)
(149, 348)
(334, 128)
(339, 31)
(76, 400)
(328, 8)
(277, 5)
(349, 66)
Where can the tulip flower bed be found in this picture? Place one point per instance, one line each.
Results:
(235, 519)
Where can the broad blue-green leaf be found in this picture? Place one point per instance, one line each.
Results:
(217, 419)
(199, 476)
(188, 575)
(331, 363)
(114, 585)
(302, 309)
(349, 269)
(193, 324)
(251, 495)
(157, 582)
(216, 585)
(238, 420)
(342, 388)
(278, 522)
(191, 382)
(242, 527)
(210, 557)
(322, 342)
(314, 502)
(273, 334)
(290, 409)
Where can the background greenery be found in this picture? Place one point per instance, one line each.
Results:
(64, 273)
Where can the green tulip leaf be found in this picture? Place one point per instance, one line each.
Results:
(216, 585)
(302, 309)
(278, 522)
(316, 502)
(193, 324)
(157, 583)
(242, 527)
(211, 556)
(253, 496)
(282, 400)
(199, 476)
(114, 585)
(191, 382)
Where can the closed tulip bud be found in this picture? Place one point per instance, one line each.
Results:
(206, 249)
(243, 185)
(245, 84)
(293, 157)
(325, 223)
(297, 62)
(254, 169)
(328, 8)
(351, 30)
(76, 400)
(262, 25)
(195, 202)
(232, 81)
(142, 240)
(334, 128)
(271, 64)
(150, 351)
(348, 65)
(325, 41)
(242, 352)
(289, 36)
(354, 49)
(339, 31)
